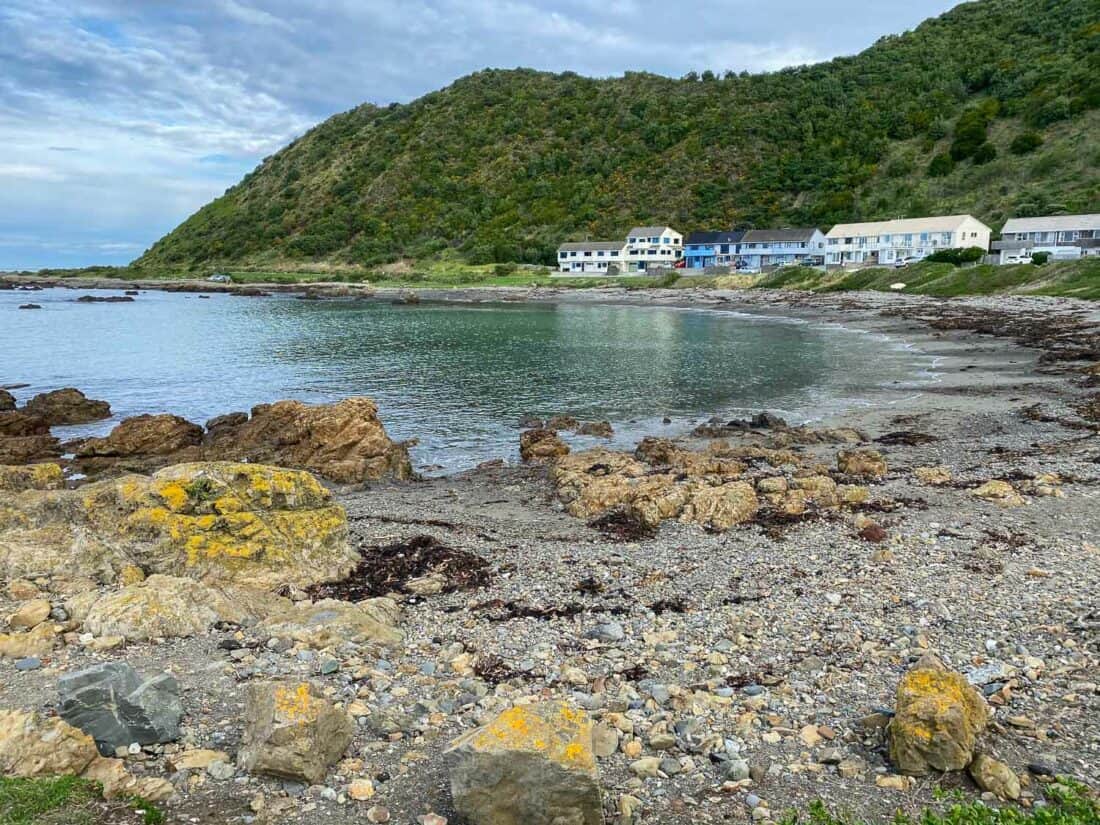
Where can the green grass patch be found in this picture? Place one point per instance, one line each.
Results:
(66, 800)
(1067, 804)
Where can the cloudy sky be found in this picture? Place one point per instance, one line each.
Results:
(118, 118)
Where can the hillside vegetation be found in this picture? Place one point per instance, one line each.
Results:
(991, 108)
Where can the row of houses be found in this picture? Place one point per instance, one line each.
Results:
(852, 245)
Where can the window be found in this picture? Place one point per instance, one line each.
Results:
(588, 254)
(599, 254)
(563, 254)
(572, 254)
(631, 240)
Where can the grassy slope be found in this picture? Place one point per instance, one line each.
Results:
(503, 165)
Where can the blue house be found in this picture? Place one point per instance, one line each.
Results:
(703, 249)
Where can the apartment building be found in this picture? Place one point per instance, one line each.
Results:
(906, 239)
(1063, 237)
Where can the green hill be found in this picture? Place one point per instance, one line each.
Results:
(992, 108)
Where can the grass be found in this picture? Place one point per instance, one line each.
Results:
(1067, 804)
(66, 800)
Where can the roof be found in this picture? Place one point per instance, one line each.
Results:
(941, 223)
(713, 237)
(779, 235)
(648, 231)
(1052, 223)
(594, 246)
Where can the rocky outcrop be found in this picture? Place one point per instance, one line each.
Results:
(116, 707)
(531, 764)
(541, 444)
(219, 522)
(17, 478)
(36, 746)
(67, 406)
(7, 401)
(938, 719)
(292, 731)
(25, 437)
(343, 442)
(721, 507)
(865, 463)
(146, 437)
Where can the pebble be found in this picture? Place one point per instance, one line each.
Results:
(736, 770)
(608, 633)
(378, 814)
(29, 663)
(221, 770)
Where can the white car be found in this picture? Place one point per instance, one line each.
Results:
(901, 263)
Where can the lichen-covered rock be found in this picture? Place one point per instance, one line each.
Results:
(1000, 493)
(217, 522)
(39, 641)
(994, 776)
(292, 731)
(329, 623)
(33, 746)
(531, 764)
(933, 476)
(67, 406)
(852, 494)
(938, 719)
(722, 507)
(821, 490)
(541, 445)
(143, 436)
(343, 442)
(161, 607)
(16, 479)
(866, 463)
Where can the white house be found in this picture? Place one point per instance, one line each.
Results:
(590, 257)
(1064, 237)
(781, 247)
(887, 242)
(652, 247)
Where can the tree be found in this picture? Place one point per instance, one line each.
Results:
(1025, 142)
(984, 153)
(941, 166)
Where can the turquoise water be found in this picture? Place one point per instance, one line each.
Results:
(457, 377)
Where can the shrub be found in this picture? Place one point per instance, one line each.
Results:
(984, 153)
(957, 255)
(504, 269)
(1025, 142)
(1040, 258)
(941, 166)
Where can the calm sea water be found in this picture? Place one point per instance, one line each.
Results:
(457, 377)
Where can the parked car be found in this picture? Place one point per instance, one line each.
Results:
(901, 263)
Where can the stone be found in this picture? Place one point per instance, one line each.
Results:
(221, 770)
(646, 767)
(16, 479)
(7, 401)
(361, 789)
(736, 770)
(32, 746)
(809, 736)
(605, 740)
(67, 406)
(217, 522)
(866, 463)
(161, 607)
(722, 507)
(541, 445)
(198, 759)
(938, 718)
(28, 663)
(607, 633)
(344, 442)
(378, 814)
(37, 642)
(20, 590)
(530, 764)
(600, 429)
(994, 776)
(116, 706)
(1000, 493)
(330, 622)
(145, 436)
(893, 781)
(933, 476)
(30, 614)
(25, 449)
(292, 731)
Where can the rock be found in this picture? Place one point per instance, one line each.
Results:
(1000, 493)
(25, 449)
(7, 401)
(933, 476)
(600, 429)
(344, 442)
(736, 770)
(361, 790)
(866, 463)
(16, 479)
(145, 436)
(541, 445)
(292, 731)
(198, 759)
(820, 490)
(562, 422)
(219, 522)
(37, 642)
(873, 533)
(720, 508)
(605, 740)
(938, 719)
(161, 607)
(530, 764)
(994, 776)
(67, 406)
(30, 614)
(771, 484)
(894, 781)
(607, 633)
(20, 423)
(20, 590)
(35, 746)
(329, 623)
(378, 814)
(115, 706)
(221, 770)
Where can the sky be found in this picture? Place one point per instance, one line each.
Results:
(119, 118)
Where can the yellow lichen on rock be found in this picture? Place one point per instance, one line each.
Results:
(17, 478)
(1000, 493)
(723, 506)
(552, 729)
(218, 522)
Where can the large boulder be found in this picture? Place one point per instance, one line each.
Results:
(343, 442)
(116, 707)
(531, 764)
(25, 449)
(143, 436)
(34, 746)
(938, 719)
(20, 423)
(216, 522)
(329, 623)
(39, 641)
(866, 463)
(292, 731)
(161, 607)
(721, 507)
(7, 401)
(541, 444)
(67, 406)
